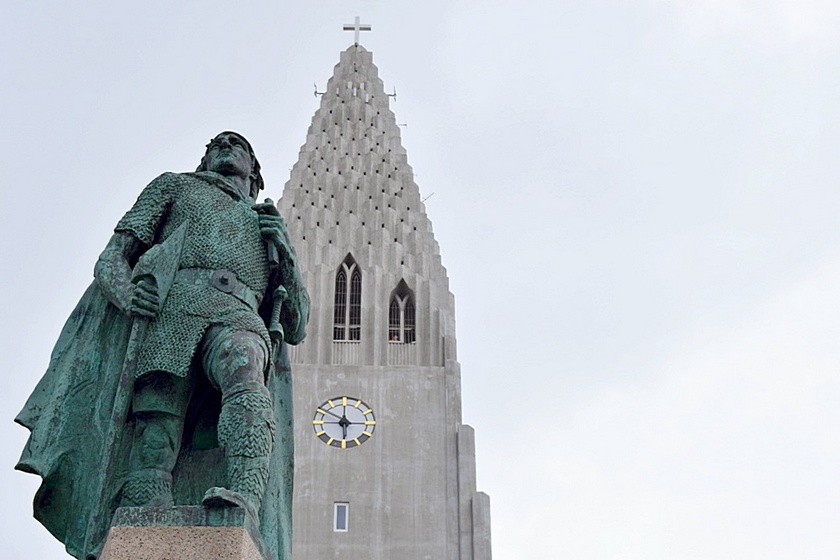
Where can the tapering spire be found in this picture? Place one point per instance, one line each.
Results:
(352, 181)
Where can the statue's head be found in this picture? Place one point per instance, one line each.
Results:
(229, 153)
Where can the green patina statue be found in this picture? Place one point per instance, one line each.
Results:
(170, 382)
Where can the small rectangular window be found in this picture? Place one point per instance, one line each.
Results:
(340, 517)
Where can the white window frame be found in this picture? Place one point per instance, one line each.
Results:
(336, 507)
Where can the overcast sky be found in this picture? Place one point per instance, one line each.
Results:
(636, 201)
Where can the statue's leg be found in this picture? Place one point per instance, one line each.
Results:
(159, 404)
(235, 362)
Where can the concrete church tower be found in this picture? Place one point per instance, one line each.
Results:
(385, 469)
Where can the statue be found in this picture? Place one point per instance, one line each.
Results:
(170, 382)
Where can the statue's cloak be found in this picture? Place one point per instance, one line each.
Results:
(69, 416)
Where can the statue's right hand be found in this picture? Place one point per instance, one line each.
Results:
(145, 301)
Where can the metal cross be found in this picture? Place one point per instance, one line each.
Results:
(356, 27)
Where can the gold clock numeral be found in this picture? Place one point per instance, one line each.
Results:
(320, 411)
(366, 434)
(343, 401)
(344, 444)
(329, 441)
(322, 432)
(358, 403)
(356, 440)
(318, 422)
(332, 405)
(366, 412)
(368, 422)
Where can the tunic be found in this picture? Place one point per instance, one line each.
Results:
(222, 234)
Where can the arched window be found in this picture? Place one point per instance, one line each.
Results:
(401, 326)
(347, 315)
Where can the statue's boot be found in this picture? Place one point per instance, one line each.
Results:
(159, 403)
(246, 432)
(147, 487)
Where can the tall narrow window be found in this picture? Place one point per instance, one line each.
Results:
(394, 320)
(340, 514)
(354, 311)
(347, 314)
(408, 320)
(339, 317)
(401, 322)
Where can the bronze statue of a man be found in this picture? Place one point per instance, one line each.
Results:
(209, 419)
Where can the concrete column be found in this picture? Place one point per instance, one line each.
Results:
(466, 489)
(481, 526)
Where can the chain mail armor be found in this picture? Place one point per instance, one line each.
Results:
(148, 487)
(223, 234)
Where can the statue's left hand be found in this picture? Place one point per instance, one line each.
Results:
(273, 228)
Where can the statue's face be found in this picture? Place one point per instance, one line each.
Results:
(228, 155)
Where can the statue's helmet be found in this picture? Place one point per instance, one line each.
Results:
(257, 183)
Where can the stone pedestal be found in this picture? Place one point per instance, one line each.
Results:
(184, 533)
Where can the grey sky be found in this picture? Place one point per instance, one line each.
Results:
(636, 202)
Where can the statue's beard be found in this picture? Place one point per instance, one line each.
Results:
(227, 166)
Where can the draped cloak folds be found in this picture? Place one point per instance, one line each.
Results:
(69, 415)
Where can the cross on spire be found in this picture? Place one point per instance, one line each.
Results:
(356, 27)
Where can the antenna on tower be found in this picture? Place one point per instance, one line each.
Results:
(394, 95)
(317, 93)
(428, 197)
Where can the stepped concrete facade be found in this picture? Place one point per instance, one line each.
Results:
(382, 334)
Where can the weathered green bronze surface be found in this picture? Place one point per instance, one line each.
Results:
(170, 382)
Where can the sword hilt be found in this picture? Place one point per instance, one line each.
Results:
(275, 328)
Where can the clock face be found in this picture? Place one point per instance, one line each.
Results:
(344, 422)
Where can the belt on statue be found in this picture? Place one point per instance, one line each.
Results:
(223, 280)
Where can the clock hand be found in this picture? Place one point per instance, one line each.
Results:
(343, 423)
(333, 414)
